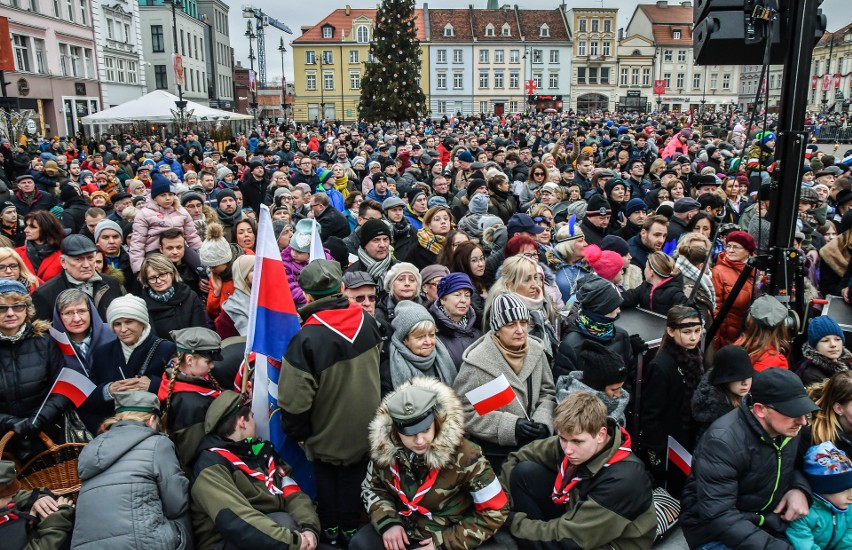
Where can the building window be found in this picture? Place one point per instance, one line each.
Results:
(607, 25)
(581, 24)
(634, 77)
(553, 80)
(679, 81)
(70, 5)
(593, 75)
(581, 48)
(483, 56)
(514, 56)
(442, 81)
(448, 30)
(514, 81)
(310, 57)
(676, 34)
(513, 106)
(593, 48)
(668, 78)
(457, 56)
(696, 80)
(581, 75)
(40, 57)
(355, 81)
(537, 56)
(646, 77)
(483, 80)
(327, 32)
(667, 55)
(84, 12)
(499, 57)
(120, 68)
(483, 107)
(604, 75)
(132, 76)
(22, 53)
(161, 82)
(354, 57)
(362, 34)
(327, 57)
(157, 44)
(623, 76)
(506, 30)
(458, 81)
(681, 56)
(554, 56)
(489, 30)
(726, 82)
(442, 56)
(607, 48)
(714, 80)
(442, 106)
(537, 78)
(544, 31)
(498, 80)
(595, 25)
(328, 81)
(57, 8)
(311, 82)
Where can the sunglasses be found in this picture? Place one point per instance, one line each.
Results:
(538, 173)
(542, 219)
(17, 308)
(361, 299)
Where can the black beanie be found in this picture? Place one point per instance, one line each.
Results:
(191, 196)
(473, 185)
(68, 192)
(223, 193)
(601, 367)
(372, 229)
(597, 295)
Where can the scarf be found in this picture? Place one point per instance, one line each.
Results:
(128, 350)
(342, 185)
(288, 486)
(38, 252)
(691, 272)
(515, 358)
(237, 307)
(431, 242)
(461, 323)
(823, 363)
(183, 387)
(9, 515)
(413, 505)
(405, 365)
(540, 325)
(86, 286)
(596, 326)
(15, 337)
(413, 214)
(560, 494)
(504, 195)
(229, 219)
(376, 268)
(162, 297)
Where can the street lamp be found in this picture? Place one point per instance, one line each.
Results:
(253, 88)
(180, 103)
(283, 50)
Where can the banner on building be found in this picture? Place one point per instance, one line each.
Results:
(837, 80)
(826, 82)
(180, 71)
(252, 81)
(814, 81)
(531, 87)
(659, 87)
(7, 56)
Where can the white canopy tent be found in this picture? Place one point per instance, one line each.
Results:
(158, 106)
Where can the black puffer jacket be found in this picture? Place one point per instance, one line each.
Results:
(567, 355)
(708, 404)
(738, 475)
(183, 310)
(658, 299)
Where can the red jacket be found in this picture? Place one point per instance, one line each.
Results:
(724, 276)
(50, 266)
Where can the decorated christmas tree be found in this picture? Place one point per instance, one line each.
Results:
(390, 88)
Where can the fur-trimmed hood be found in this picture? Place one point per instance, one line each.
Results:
(573, 383)
(708, 401)
(385, 443)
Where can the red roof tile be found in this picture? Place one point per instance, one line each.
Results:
(481, 19)
(663, 35)
(459, 19)
(532, 20)
(671, 14)
(342, 22)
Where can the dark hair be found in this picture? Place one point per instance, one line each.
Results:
(350, 200)
(690, 227)
(369, 205)
(460, 263)
(229, 425)
(171, 233)
(533, 168)
(248, 220)
(50, 230)
(445, 255)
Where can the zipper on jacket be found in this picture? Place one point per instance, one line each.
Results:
(777, 471)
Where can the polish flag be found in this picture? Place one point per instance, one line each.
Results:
(679, 456)
(491, 395)
(490, 497)
(64, 343)
(73, 385)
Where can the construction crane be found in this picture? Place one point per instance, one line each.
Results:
(262, 20)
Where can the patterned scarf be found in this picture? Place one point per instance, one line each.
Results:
(560, 496)
(162, 297)
(596, 326)
(184, 387)
(413, 505)
(342, 185)
(288, 486)
(431, 242)
(376, 268)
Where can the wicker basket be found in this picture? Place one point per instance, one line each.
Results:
(54, 469)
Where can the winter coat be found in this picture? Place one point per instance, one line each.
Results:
(455, 337)
(254, 191)
(293, 268)
(658, 299)
(573, 383)
(151, 221)
(104, 292)
(332, 224)
(230, 507)
(51, 533)
(183, 310)
(610, 507)
(333, 388)
(768, 358)
(709, 403)
(50, 267)
(533, 386)
(39, 201)
(132, 473)
(821, 529)
(739, 475)
(674, 149)
(567, 355)
(420, 256)
(815, 367)
(569, 277)
(503, 207)
(724, 275)
(74, 214)
(463, 477)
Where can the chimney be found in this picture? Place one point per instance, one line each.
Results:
(348, 10)
(662, 3)
(686, 3)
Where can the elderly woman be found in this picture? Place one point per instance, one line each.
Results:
(234, 319)
(132, 471)
(76, 316)
(414, 349)
(135, 361)
(456, 320)
(402, 282)
(171, 304)
(570, 245)
(40, 254)
(508, 350)
(29, 363)
(739, 245)
(437, 223)
(12, 266)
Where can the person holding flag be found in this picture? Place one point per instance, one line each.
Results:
(78, 329)
(328, 392)
(426, 482)
(508, 384)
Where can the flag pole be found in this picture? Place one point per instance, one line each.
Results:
(244, 380)
(83, 365)
(46, 397)
(522, 407)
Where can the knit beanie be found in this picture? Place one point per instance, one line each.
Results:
(191, 196)
(372, 229)
(323, 175)
(398, 269)
(215, 250)
(302, 235)
(224, 193)
(635, 205)
(128, 307)
(68, 192)
(488, 220)
(616, 244)
(479, 204)
(103, 225)
(473, 185)
(159, 184)
(433, 271)
(406, 315)
(743, 239)
(598, 295)
(822, 326)
(453, 282)
(601, 367)
(606, 263)
(827, 469)
(8, 286)
(507, 308)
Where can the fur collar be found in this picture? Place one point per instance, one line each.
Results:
(708, 402)
(836, 257)
(385, 445)
(829, 368)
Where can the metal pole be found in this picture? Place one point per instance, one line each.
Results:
(253, 105)
(181, 104)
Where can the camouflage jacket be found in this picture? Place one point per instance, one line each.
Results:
(466, 502)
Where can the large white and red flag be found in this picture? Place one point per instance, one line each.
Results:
(491, 395)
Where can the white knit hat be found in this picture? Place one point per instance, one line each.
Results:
(397, 270)
(128, 307)
(215, 250)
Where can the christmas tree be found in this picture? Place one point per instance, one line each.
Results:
(390, 88)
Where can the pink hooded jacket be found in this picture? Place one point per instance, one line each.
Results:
(152, 220)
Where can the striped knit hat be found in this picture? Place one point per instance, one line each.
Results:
(507, 308)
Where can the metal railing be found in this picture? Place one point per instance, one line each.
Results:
(830, 133)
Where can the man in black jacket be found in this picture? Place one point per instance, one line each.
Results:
(332, 223)
(744, 488)
(254, 185)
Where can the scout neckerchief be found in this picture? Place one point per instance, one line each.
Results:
(289, 486)
(9, 516)
(413, 504)
(163, 392)
(561, 496)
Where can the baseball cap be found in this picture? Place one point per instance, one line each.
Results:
(782, 390)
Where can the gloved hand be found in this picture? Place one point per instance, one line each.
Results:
(27, 427)
(527, 430)
(638, 345)
(542, 431)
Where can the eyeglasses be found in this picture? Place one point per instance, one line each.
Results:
(530, 255)
(159, 277)
(480, 260)
(17, 308)
(361, 299)
(734, 246)
(9, 267)
(83, 312)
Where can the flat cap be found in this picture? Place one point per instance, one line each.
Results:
(198, 340)
(77, 245)
(137, 401)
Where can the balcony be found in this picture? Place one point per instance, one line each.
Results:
(119, 46)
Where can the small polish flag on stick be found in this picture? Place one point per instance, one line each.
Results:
(679, 456)
(492, 396)
(73, 385)
(66, 347)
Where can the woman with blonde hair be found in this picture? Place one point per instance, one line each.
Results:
(13, 267)
(833, 421)
(691, 254)
(171, 303)
(571, 246)
(662, 289)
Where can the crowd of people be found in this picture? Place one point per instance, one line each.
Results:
(464, 261)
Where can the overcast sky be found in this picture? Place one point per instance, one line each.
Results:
(311, 12)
